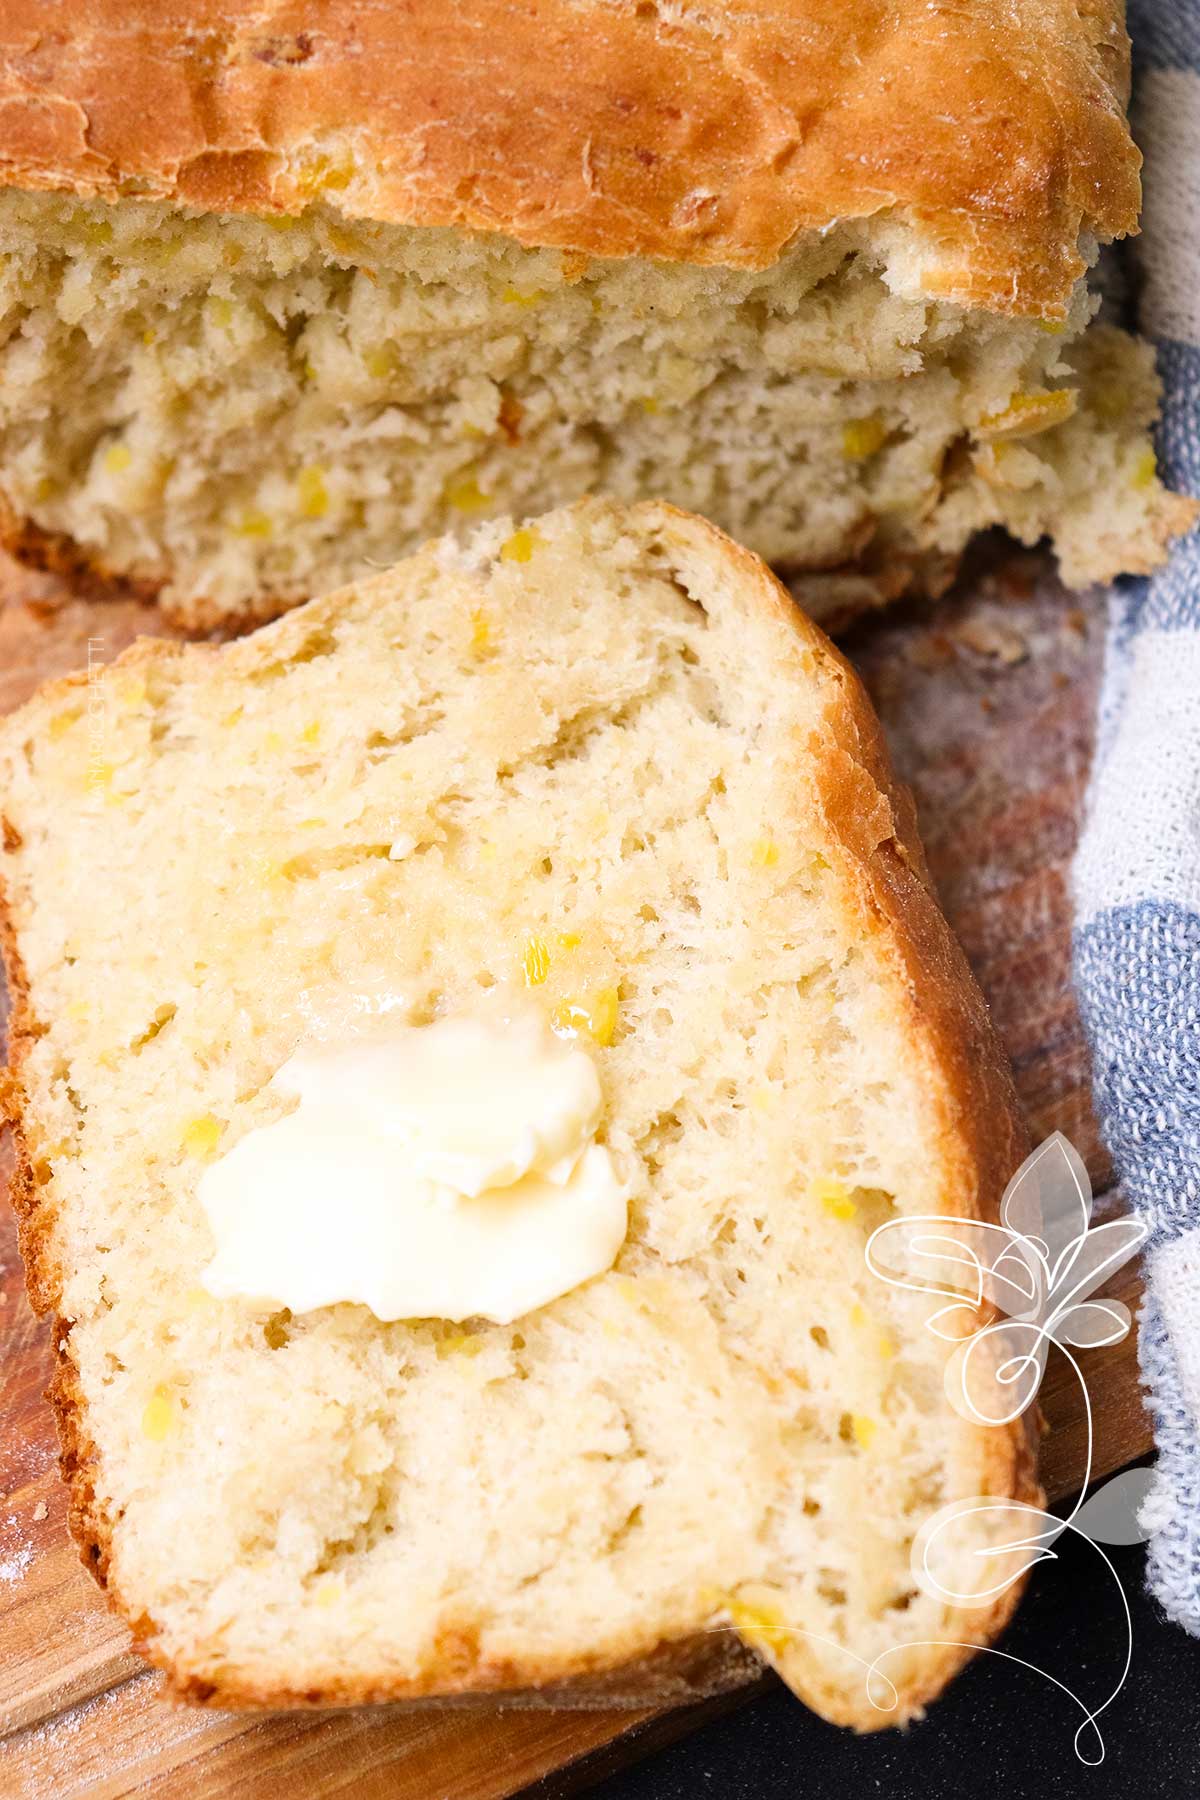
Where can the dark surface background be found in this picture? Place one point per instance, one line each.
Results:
(1000, 1732)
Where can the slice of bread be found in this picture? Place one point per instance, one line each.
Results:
(612, 736)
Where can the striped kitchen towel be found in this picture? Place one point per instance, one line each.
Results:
(1137, 872)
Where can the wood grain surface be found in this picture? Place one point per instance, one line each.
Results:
(988, 701)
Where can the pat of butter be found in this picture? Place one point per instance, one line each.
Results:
(441, 1171)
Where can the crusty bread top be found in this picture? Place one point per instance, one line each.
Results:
(710, 134)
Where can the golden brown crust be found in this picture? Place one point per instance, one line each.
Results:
(57, 554)
(43, 1277)
(982, 1135)
(871, 826)
(43, 1272)
(698, 132)
(708, 1662)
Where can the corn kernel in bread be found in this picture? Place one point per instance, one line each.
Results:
(657, 805)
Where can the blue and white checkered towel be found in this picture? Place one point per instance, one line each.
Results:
(1137, 873)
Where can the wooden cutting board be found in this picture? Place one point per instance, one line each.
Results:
(988, 702)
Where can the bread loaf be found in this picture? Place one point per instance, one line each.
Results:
(605, 761)
(280, 299)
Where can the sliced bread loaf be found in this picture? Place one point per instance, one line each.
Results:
(814, 269)
(603, 760)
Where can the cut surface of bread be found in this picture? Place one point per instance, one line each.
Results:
(258, 413)
(613, 737)
(813, 270)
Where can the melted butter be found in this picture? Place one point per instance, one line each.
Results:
(446, 1171)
